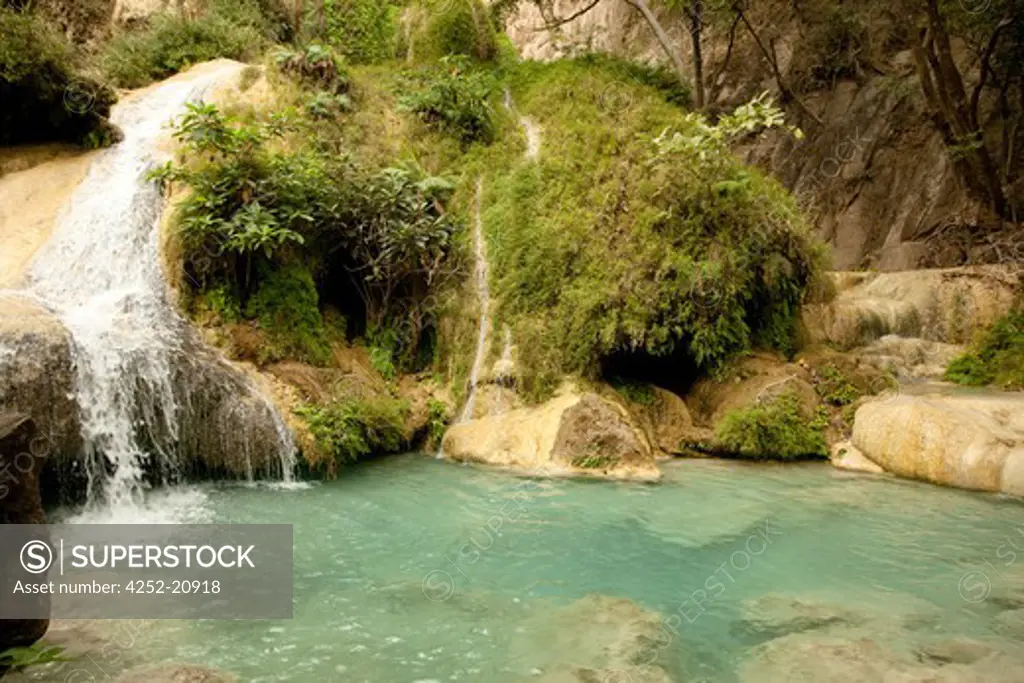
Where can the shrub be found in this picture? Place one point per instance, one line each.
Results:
(835, 388)
(996, 358)
(315, 65)
(454, 97)
(351, 429)
(171, 43)
(775, 430)
(437, 422)
(44, 97)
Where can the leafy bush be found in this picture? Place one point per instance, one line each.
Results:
(253, 211)
(638, 231)
(44, 97)
(657, 76)
(454, 97)
(317, 66)
(775, 430)
(172, 42)
(351, 429)
(835, 388)
(997, 357)
(326, 105)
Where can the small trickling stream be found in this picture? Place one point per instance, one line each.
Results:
(144, 380)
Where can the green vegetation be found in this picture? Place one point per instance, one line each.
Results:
(637, 229)
(362, 30)
(835, 388)
(172, 41)
(635, 392)
(996, 358)
(354, 428)
(286, 305)
(774, 430)
(18, 658)
(45, 96)
(454, 27)
(437, 422)
(317, 66)
(454, 97)
(595, 461)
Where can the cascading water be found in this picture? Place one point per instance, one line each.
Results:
(484, 296)
(143, 377)
(533, 140)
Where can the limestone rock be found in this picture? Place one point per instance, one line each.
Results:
(940, 305)
(845, 456)
(971, 440)
(20, 503)
(574, 432)
(956, 651)
(37, 376)
(751, 380)
(666, 420)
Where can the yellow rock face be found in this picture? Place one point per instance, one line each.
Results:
(573, 433)
(972, 440)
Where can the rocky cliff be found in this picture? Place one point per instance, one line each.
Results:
(873, 167)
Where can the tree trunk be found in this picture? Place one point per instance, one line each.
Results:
(696, 29)
(662, 36)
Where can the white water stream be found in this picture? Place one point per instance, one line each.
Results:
(136, 360)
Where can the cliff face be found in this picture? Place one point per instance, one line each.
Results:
(873, 170)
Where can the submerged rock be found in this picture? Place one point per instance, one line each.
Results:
(597, 639)
(1011, 624)
(971, 440)
(574, 432)
(812, 658)
(778, 615)
(174, 673)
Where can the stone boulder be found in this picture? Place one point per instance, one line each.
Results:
(573, 433)
(20, 503)
(967, 439)
(665, 419)
(37, 375)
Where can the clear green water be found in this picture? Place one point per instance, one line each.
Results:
(374, 553)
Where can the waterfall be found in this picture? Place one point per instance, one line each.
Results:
(484, 296)
(144, 381)
(533, 140)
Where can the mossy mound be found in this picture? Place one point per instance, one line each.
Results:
(632, 233)
(44, 97)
